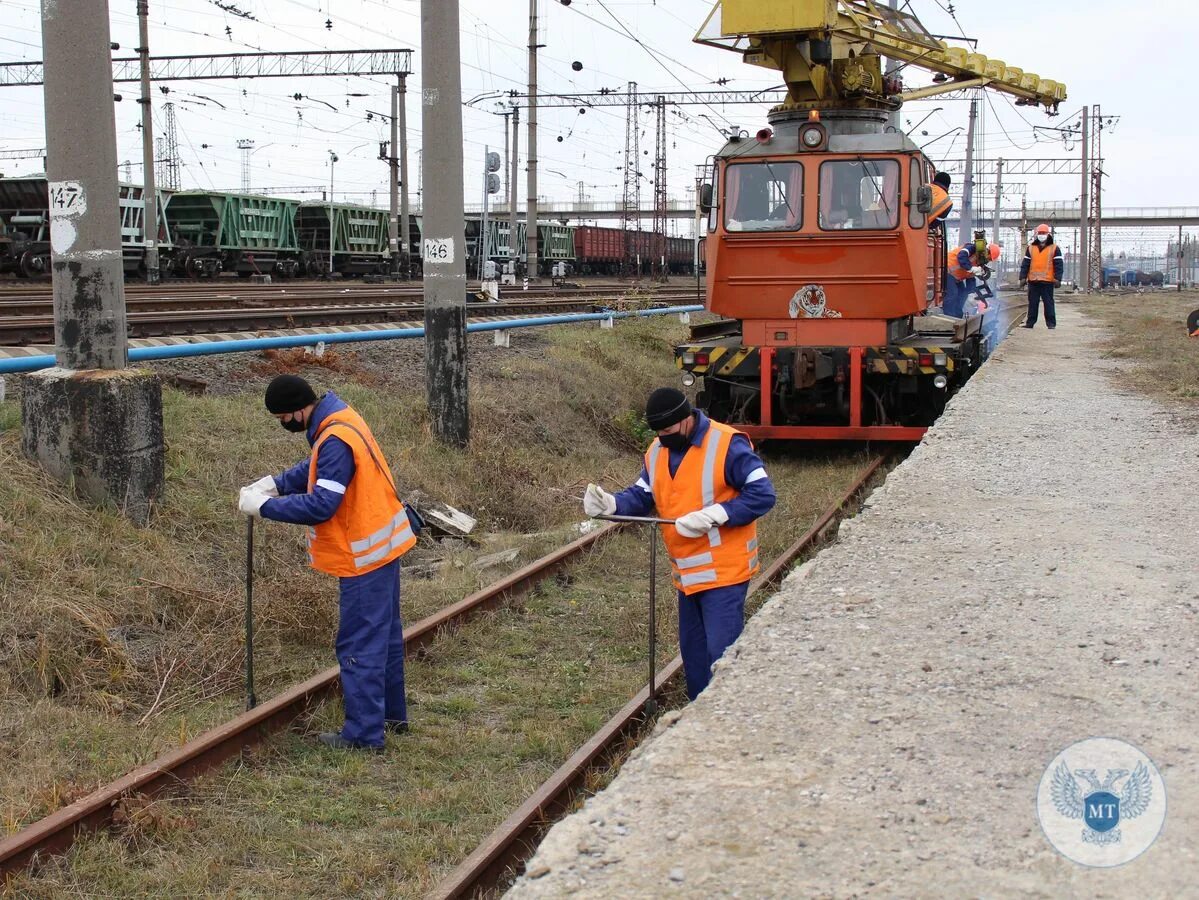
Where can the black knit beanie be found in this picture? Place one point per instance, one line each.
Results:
(943, 179)
(288, 394)
(665, 407)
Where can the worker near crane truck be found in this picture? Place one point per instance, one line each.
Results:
(966, 265)
(358, 528)
(707, 479)
(1042, 269)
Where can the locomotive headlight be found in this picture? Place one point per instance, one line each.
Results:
(812, 136)
(939, 382)
(688, 379)
(940, 359)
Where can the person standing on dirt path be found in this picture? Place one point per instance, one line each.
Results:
(358, 528)
(1041, 269)
(707, 478)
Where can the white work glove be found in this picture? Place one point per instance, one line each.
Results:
(250, 501)
(598, 502)
(977, 271)
(701, 521)
(265, 484)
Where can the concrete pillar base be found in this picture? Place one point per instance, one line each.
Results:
(99, 430)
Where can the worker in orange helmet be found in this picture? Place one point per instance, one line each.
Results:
(965, 267)
(1041, 269)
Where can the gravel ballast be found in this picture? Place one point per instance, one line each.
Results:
(1023, 581)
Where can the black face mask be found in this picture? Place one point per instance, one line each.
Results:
(295, 426)
(675, 441)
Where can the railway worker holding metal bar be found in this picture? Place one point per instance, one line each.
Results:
(358, 528)
(965, 266)
(1041, 269)
(706, 477)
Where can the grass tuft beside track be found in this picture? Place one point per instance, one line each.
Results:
(1149, 329)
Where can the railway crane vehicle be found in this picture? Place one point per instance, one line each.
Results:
(821, 259)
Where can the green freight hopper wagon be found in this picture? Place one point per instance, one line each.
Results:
(360, 245)
(555, 244)
(243, 233)
(25, 227)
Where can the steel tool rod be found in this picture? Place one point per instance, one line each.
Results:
(651, 704)
(645, 520)
(251, 700)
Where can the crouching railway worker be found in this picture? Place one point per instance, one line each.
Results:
(706, 477)
(358, 528)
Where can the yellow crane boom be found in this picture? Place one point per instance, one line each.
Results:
(830, 51)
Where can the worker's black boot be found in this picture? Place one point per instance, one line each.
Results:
(395, 726)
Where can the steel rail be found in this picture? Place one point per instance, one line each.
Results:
(55, 833)
(39, 329)
(44, 306)
(514, 841)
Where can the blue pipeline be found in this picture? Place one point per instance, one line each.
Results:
(210, 348)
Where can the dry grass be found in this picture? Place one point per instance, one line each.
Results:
(115, 644)
(1150, 330)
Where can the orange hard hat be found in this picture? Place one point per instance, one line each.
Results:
(995, 252)
(1042, 228)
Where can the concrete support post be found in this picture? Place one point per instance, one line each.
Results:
(444, 245)
(966, 215)
(405, 224)
(531, 265)
(513, 219)
(393, 174)
(89, 421)
(149, 188)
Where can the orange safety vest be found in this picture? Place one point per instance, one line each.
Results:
(724, 556)
(954, 269)
(370, 527)
(941, 203)
(1041, 266)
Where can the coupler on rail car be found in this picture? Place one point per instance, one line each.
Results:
(890, 392)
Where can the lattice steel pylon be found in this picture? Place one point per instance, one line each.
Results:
(658, 264)
(246, 146)
(1095, 214)
(172, 179)
(631, 199)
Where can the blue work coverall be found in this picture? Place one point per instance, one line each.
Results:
(956, 292)
(370, 636)
(709, 621)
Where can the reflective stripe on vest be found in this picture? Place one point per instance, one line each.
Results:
(941, 202)
(1040, 267)
(954, 269)
(724, 555)
(370, 527)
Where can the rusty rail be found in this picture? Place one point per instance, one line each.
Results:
(56, 832)
(514, 841)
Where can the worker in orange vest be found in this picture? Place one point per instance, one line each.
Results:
(965, 267)
(1041, 269)
(706, 477)
(358, 528)
(941, 202)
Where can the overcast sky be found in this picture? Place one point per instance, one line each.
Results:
(1094, 47)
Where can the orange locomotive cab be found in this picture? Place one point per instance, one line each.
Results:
(826, 270)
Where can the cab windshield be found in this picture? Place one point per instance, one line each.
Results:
(859, 194)
(763, 196)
